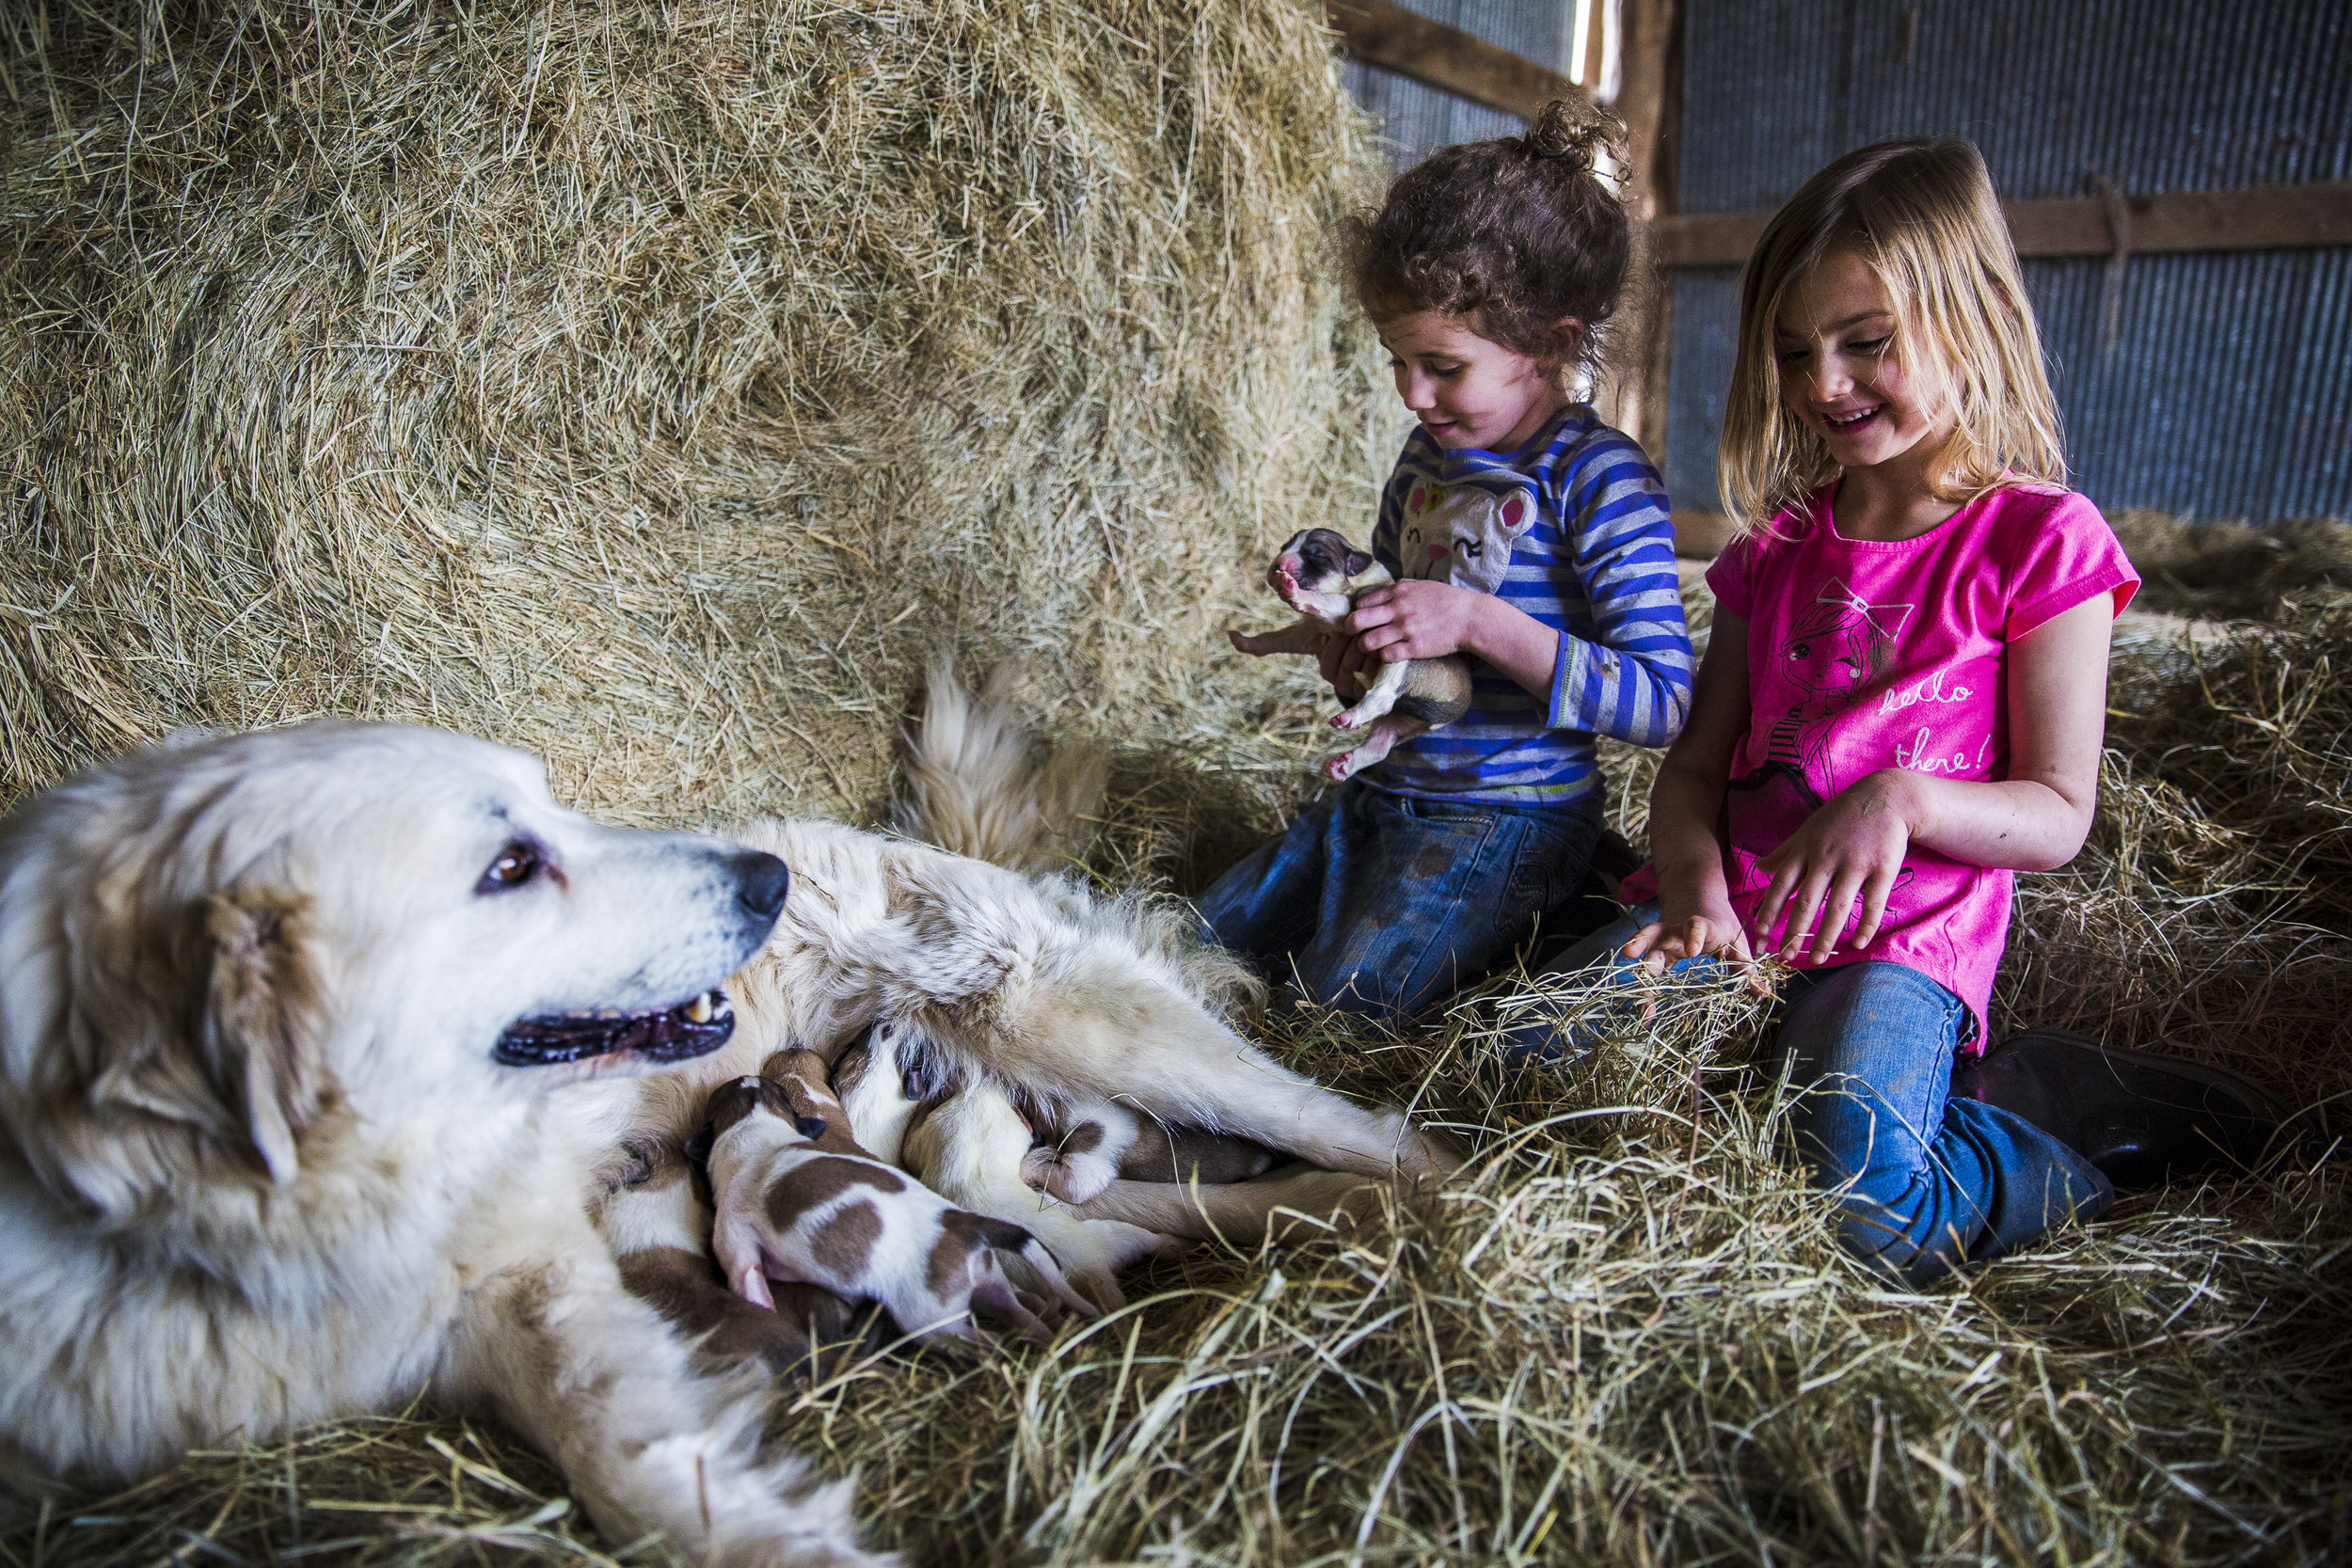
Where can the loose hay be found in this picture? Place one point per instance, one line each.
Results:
(638, 385)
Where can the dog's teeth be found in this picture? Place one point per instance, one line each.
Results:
(700, 1009)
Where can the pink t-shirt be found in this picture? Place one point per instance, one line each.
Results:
(1864, 653)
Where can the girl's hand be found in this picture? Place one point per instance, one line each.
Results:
(1851, 847)
(1417, 620)
(1679, 933)
(1341, 660)
(1406, 620)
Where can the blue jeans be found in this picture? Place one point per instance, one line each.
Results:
(1379, 903)
(1924, 1182)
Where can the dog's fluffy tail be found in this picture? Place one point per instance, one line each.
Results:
(978, 781)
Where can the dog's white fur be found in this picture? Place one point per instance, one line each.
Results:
(257, 1165)
(1029, 983)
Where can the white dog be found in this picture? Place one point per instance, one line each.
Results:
(279, 1014)
(1025, 990)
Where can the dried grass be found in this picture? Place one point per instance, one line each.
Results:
(654, 385)
(690, 407)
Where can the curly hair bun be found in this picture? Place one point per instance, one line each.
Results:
(1576, 132)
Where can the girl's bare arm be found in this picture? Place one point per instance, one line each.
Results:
(2034, 820)
(1685, 804)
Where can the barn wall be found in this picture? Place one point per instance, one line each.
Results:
(2228, 392)
(1417, 118)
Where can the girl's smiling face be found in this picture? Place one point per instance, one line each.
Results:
(1468, 391)
(1840, 376)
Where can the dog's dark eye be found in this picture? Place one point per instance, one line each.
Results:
(517, 863)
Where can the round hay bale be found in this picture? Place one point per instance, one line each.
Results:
(654, 387)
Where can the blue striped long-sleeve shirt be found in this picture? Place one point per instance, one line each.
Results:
(1573, 529)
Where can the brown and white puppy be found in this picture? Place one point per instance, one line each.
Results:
(659, 1229)
(1104, 1141)
(1320, 575)
(795, 1211)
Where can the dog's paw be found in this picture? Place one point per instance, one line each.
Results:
(1071, 1177)
(1340, 768)
(1346, 719)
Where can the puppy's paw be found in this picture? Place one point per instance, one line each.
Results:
(1346, 719)
(1341, 767)
(1071, 1177)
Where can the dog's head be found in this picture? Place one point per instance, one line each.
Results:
(755, 1095)
(217, 952)
(816, 1109)
(1315, 571)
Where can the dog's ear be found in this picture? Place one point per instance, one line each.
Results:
(1358, 563)
(261, 1028)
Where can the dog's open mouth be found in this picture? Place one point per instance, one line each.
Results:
(690, 1029)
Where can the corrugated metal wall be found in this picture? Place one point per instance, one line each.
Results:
(1417, 119)
(2228, 393)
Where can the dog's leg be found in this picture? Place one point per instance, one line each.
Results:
(1086, 1156)
(1378, 698)
(1377, 743)
(1242, 1213)
(1106, 1026)
(595, 1379)
(969, 1152)
(1296, 638)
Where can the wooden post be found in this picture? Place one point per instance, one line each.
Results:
(1650, 102)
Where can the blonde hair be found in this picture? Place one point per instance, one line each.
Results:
(1922, 215)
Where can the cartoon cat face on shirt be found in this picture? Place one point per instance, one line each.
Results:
(1461, 534)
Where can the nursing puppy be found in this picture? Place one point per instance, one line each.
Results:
(659, 1229)
(285, 1021)
(1320, 575)
(796, 1211)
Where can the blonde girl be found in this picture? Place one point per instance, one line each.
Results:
(1901, 706)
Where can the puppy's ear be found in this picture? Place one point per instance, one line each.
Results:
(1358, 563)
(262, 1029)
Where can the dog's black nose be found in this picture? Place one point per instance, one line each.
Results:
(763, 882)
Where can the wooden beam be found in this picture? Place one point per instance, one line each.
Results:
(1650, 99)
(1379, 33)
(2253, 217)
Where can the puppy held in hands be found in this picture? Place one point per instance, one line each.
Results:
(791, 1209)
(1320, 575)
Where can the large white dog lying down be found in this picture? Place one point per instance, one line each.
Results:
(279, 1013)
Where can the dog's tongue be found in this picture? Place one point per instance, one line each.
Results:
(693, 1028)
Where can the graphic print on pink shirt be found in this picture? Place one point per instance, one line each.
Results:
(1838, 648)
